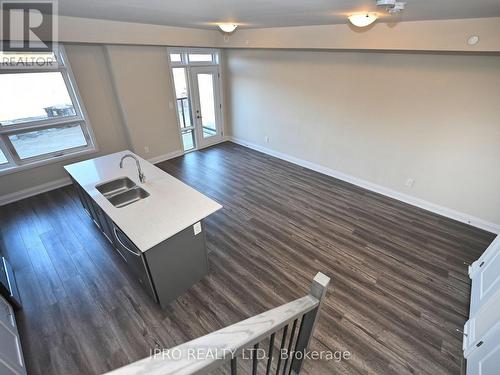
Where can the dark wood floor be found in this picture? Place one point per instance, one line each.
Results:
(400, 287)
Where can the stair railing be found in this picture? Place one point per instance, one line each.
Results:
(227, 344)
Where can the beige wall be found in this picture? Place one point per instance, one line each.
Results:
(435, 35)
(126, 91)
(380, 117)
(143, 86)
(87, 30)
(92, 77)
(438, 35)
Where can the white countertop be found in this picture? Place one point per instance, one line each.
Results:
(171, 207)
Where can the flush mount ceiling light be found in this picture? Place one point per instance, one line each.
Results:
(227, 27)
(392, 6)
(363, 19)
(473, 40)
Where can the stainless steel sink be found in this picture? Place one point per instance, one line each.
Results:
(128, 197)
(120, 185)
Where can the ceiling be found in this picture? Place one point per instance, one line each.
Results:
(267, 13)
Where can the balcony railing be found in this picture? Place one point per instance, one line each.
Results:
(183, 108)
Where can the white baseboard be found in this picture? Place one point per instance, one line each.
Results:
(440, 210)
(38, 189)
(29, 192)
(170, 155)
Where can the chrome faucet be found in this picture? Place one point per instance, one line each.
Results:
(142, 176)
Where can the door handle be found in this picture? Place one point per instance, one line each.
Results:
(123, 245)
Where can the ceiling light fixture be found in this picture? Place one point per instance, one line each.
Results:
(473, 40)
(363, 19)
(392, 6)
(227, 27)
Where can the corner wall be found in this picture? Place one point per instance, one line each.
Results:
(126, 93)
(92, 77)
(378, 117)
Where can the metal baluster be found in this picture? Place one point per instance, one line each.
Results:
(292, 353)
(270, 354)
(254, 359)
(289, 346)
(283, 339)
(234, 366)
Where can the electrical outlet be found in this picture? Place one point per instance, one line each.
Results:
(266, 139)
(410, 182)
(171, 105)
(146, 149)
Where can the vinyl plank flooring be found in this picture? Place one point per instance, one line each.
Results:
(399, 285)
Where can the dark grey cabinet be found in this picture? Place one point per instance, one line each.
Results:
(165, 271)
(177, 263)
(135, 260)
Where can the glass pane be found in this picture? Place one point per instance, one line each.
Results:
(3, 159)
(29, 97)
(207, 104)
(200, 57)
(181, 94)
(187, 140)
(45, 141)
(175, 57)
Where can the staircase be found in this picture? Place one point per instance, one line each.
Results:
(225, 347)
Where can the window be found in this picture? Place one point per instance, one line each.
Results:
(193, 56)
(3, 159)
(200, 57)
(41, 117)
(175, 57)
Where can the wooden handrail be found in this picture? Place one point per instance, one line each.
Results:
(228, 342)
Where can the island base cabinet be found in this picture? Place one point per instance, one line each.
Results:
(178, 263)
(165, 271)
(135, 260)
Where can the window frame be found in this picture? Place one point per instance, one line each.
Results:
(14, 162)
(185, 52)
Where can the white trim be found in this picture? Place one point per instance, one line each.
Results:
(214, 70)
(10, 168)
(192, 96)
(34, 190)
(16, 163)
(432, 207)
(170, 155)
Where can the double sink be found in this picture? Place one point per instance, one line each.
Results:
(122, 191)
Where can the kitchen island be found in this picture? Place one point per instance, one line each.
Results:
(156, 225)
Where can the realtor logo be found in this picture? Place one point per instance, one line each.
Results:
(28, 26)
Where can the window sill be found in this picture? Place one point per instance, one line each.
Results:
(53, 160)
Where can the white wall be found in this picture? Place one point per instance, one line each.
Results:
(379, 117)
